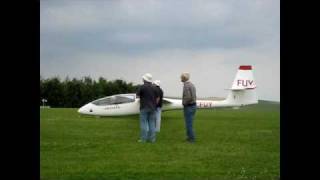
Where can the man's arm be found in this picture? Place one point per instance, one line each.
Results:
(157, 93)
(138, 92)
(194, 94)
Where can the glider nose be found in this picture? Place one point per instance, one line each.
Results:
(83, 109)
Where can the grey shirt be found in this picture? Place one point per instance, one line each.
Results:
(189, 93)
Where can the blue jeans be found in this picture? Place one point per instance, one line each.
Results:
(189, 112)
(148, 125)
(158, 119)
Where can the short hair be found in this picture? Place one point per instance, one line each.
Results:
(185, 76)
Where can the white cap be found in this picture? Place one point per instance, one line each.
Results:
(147, 77)
(156, 82)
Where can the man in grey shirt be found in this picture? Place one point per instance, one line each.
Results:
(189, 105)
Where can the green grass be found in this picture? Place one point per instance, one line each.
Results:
(231, 144)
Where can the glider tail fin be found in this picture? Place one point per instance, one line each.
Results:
(243, 90)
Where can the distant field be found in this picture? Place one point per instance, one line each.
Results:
(231, 144)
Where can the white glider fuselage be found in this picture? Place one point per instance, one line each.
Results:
(241, 93)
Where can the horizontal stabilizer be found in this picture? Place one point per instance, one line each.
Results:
(240, 89)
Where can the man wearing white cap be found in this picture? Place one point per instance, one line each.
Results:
(148, 100)
(159, 105)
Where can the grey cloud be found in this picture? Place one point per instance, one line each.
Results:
(208, 38)
(120, 26)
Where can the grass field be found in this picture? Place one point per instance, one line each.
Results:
(231, 144)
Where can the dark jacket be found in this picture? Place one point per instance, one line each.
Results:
(148, 94)
(160, 94)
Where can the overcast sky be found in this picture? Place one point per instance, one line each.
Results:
(124, 39)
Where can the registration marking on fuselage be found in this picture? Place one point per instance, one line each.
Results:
(112, 107)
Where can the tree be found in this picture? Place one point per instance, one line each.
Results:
(75, 93)
(52, 90)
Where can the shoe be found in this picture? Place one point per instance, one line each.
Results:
(151, 141)
(141, 141)
(190, 140)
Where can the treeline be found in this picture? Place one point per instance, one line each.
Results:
(77, 92)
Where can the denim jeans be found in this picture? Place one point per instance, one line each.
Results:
(148, 125)
(189, 112)
(158, 119)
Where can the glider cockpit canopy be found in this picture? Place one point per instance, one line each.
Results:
(116, 99)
